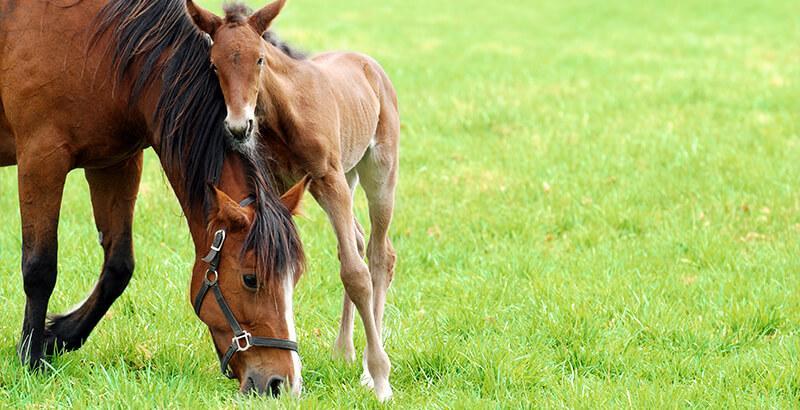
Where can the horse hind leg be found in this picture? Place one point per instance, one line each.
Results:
(113, 191)
(41, 173)
(343, 347)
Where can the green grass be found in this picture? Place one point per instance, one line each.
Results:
(598, 208)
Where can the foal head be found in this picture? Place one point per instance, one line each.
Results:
(258, 303)
(238, 56)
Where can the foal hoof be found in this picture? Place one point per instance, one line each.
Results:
(383, 391)
(367, 381)
(344, 353)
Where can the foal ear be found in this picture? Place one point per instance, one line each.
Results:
(203, 19)
(293, 198)
(225, 211)
(262, 19)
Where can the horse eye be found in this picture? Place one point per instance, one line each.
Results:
(250, 281)
(214, 67)
(261, 61)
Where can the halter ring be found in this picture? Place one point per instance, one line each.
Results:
(215, 274)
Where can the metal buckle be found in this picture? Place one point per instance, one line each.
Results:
(237, 341)
(208, 275)
(219, 234)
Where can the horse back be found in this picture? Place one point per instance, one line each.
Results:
(54, 88)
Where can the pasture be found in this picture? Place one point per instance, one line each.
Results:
(598, 207)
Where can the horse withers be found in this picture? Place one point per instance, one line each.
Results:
(90, 85)
(334, 117)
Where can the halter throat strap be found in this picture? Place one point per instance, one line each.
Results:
(242, 339)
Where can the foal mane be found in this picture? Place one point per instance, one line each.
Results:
(156, 40)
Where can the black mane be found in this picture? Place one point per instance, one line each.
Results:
(158, 39)
(290, 51)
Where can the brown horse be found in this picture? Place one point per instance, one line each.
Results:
(89, 84)
(333, 117)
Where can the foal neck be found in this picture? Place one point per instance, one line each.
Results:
(279, 84)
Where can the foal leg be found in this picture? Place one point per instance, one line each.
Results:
(333, 194)
(41, 173)
(343, 347)
(378, 175)
(113, 193)
(379, 181)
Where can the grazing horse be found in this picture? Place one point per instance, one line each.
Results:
(335, 118)
(90, 84)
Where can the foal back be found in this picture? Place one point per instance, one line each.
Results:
(366, 103)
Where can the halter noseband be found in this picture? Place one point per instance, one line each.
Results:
(242, 339)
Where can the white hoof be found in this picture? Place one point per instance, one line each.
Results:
(383, 391)
(344, 353)
(366, 380)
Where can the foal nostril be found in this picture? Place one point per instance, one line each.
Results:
(274, 385)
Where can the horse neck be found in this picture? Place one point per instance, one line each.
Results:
(232, 178)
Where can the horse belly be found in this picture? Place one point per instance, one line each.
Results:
(8, 155)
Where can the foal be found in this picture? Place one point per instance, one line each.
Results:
(335, 118)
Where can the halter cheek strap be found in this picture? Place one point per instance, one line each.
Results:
(242, 340)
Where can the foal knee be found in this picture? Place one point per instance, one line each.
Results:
(382, 261)
(357, 282)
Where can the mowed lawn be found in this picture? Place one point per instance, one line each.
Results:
(598, 207)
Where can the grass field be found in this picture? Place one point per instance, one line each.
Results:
(598, 208)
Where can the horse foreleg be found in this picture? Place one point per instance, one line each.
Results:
(41, 175)
(113, 192)
(332, 193)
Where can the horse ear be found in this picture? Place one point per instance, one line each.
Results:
(293, 198)
(203, 19)
(225, 211)
(262, 19)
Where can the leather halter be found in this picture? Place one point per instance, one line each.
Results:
(242, 339)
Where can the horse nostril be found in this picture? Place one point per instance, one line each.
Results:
(275, 384)
(249, 386)
(250, 126)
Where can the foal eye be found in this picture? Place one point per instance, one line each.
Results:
(261, 61)
(214, 67)
(250, 281)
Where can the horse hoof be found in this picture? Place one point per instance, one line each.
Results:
(33, 362)
(57, 338)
